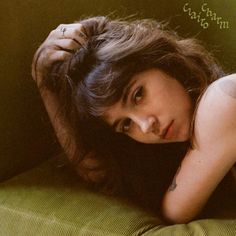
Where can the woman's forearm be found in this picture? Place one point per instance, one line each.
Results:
(211, 159)
(198, 176)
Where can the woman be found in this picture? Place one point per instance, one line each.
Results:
(141, 81)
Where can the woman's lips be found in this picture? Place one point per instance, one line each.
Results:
(167, 134)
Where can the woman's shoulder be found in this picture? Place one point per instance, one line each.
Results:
(215, 120)
(225, 85)
(219, 96)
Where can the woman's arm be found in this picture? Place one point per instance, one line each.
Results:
(213, 155)
(58, 47)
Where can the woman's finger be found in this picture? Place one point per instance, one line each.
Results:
(47, 57)
(74, 34)
(57, 55)
(76, 26)
(96, 176)
(74, 31)
(90, 162)
(45, 60)
(68, 44)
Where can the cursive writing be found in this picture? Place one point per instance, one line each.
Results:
(204, 15)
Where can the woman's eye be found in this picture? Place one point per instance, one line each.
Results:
(126, 125)
(138, 94)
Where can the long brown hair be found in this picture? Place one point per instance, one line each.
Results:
(96, 74)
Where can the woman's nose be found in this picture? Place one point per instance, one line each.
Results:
(146, 124)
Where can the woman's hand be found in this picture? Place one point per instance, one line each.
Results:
(92, 169)
(58, 46)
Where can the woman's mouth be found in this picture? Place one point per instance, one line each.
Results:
(168, 131)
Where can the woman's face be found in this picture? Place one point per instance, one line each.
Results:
(154, 108)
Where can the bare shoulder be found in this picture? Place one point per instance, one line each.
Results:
(227, 85)
(215, 120)
(219, 97)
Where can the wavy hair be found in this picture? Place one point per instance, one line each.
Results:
(94, 77)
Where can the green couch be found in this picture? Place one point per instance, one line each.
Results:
(39, 193)
(50, 200)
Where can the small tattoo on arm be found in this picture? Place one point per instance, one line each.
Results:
(173, 185)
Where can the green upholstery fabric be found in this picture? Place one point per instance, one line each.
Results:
(50, 200)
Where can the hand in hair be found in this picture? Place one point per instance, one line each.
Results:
(59, 45)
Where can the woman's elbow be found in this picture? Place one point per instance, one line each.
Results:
(176, 214)
(175, 218)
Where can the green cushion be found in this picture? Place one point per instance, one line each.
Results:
(50, 200)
